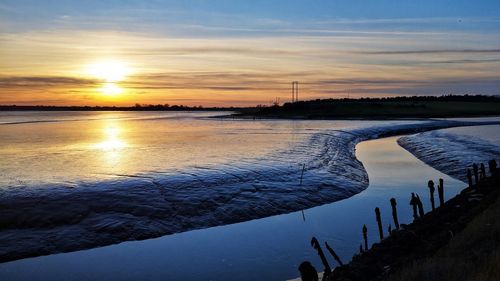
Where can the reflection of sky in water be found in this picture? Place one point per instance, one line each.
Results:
(89, 146)
(263, 249)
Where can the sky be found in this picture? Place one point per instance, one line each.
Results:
(244, 53)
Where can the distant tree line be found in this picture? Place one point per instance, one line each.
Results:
(136, 107)
(444, 98)
(274, 105)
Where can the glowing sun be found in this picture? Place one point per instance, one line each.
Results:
(109, 71)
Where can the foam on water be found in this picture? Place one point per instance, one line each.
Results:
(85, 214)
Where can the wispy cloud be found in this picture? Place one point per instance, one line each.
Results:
(44, 81)
(435, 51)
(211, 52)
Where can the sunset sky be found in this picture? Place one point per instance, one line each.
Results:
(237, 53)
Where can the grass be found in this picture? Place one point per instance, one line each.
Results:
(473, 254)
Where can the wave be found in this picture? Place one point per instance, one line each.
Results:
(68, 217)
(450, 153)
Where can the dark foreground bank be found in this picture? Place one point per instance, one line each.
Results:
(458, 239)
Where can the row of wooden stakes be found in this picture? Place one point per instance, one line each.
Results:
(479, 173)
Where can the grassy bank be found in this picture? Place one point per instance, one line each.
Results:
(473, 254)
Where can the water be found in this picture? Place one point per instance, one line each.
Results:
(77, 180)
(454, 150)
(264, 249)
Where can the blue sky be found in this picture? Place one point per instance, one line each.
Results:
(246, 52)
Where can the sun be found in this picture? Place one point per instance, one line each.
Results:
(109, 71)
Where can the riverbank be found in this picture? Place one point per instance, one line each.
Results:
(380, 108)
(422, 248)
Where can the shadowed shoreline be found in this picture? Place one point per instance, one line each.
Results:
(409, 253)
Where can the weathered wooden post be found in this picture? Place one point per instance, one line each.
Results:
(414, 203)
(334, 255)
(302, 174)
(315, 245)
(365, 236)
(431, 187)
(394, 213)
(441, 192)
(469, 178)
(482, 175)
(379, 223)
(492, 165)
(421, 212)
(476, 172)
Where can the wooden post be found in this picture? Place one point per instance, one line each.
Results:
(469, 178)
(430, 184)
(483, 172)
(476, 172)
(315, 245)
(441, 192)
(334, 255)
(421, 212)
(414, 204)
(379, 223)
(492, 165)
(394, 213)
(302, 174)
(365, 236)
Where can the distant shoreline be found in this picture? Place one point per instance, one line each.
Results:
(108, 108)
(380, 108)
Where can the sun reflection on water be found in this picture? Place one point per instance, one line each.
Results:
(112, 139)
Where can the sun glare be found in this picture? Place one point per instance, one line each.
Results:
(111, 89)
(109, 71)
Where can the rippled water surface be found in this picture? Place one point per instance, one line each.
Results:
(78, 180)
(69, 147)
